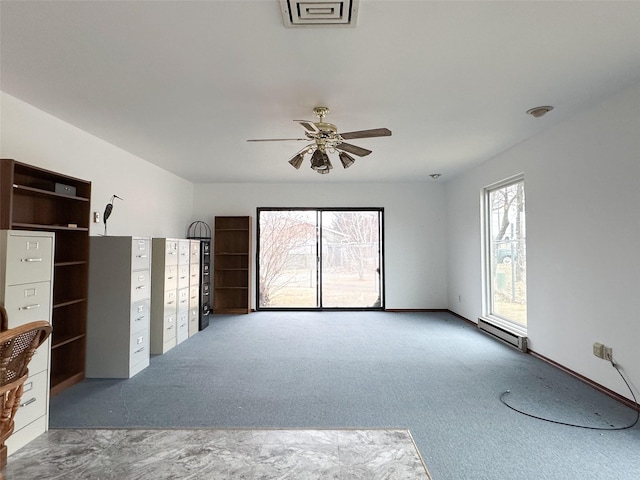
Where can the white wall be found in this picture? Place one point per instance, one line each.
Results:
(156, 202)
(582, 184)
(414, 241)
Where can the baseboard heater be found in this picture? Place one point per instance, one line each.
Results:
(511, 338)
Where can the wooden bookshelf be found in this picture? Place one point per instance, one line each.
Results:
(31, 198)
(232, 265)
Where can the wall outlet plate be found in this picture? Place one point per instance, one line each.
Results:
(598, 350)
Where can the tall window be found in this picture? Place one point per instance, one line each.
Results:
(319, 258)
(505, 253)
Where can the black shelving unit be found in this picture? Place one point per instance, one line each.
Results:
(202, 231)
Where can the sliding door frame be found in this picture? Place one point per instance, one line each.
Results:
(319, 211)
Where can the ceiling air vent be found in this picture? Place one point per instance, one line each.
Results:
(319, 13)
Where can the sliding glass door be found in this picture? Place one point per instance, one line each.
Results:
(320, 258)
(287, 258)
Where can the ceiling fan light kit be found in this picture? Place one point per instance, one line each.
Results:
(320, 162)
(325, 138)
(346, 159)
(297, 161)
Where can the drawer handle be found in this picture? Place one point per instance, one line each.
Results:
(169, 327)
(141, 349)
(28, 402)
(138, 319)
(30, 307)
(140, 287)
(141, 256)
(34, 259)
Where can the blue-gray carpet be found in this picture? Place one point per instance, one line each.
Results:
(431, 373)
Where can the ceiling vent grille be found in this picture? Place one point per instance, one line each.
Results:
(319, 13)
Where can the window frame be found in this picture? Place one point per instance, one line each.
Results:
(486, 246)
(319, 210)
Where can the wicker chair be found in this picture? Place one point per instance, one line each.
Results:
(17, 346)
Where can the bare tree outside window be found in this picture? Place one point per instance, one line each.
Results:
(360, 239)
(507, 252)
(287, 258)
(327, 258)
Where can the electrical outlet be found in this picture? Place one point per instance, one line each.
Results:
(598, 350)
(602, 351)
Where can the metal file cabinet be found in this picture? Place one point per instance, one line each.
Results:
(200, 232)
(182, 328)
(26, 291)
(118, 324)
(194, 286)
(164, 294)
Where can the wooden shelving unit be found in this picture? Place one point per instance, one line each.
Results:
(232, 265)
(29, 201)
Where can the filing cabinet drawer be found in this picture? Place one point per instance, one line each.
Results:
(139, 348)
(140, 254)
(28, 303)
(194, 297)
(184, 251)
(140, 315)
(171, 277)
(182, 332)
(194, 274)
(138, 367)
(195, 252)
(33, 403)
(40, 360)
(171, 252)
(140, 285)
(170, 302)
(28, 259)
(183, 276)
(19, 438)
(170, 327)
(193, 321)
(183, 299)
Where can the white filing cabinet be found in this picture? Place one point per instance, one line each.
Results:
(164, 294)
(194, 286)
(26, 291)
(182, 332)
(118, 331)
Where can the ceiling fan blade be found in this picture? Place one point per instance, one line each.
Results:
(277, 139)
(375, 132)
(347, 147)
(308, 125)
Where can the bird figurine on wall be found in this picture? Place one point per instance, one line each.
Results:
(107, 212)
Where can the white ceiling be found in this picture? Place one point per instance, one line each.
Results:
(184, 84)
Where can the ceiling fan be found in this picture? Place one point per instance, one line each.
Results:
(325, 139)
